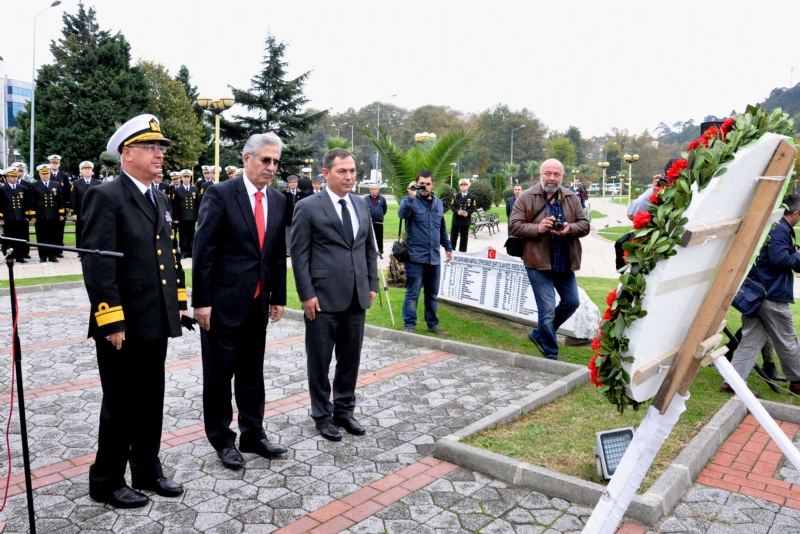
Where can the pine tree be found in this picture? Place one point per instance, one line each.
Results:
(207, 156)
(275, 105)
(90, 86)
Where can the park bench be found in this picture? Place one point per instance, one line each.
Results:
(493, 218)
(476, 223)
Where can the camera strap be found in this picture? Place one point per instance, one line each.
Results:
(546, 204)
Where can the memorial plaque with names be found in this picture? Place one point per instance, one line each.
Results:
(497, 284)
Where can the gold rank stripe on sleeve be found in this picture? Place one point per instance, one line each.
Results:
(181, 295)
(106, 315)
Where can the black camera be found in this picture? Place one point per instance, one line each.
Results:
(416, 187)
(558, 224)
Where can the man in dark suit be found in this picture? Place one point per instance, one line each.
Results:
(15, 209)
(57, 175)
(159, 185)
(293, 195)
(184, 211)
(335, 269)
(239, 277)
(463, 206)
(48, 203)
(79, 188)
(376, 203)
(137, 303)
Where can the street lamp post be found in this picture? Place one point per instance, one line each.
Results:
(621, 177)
(378, 135)
(33, 78)
(337, 128)
(604, 165)
(512, 141)
(216, 107)
(452, 167)
(631, 160)
(575, 173)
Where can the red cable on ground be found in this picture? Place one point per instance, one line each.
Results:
(11, 404)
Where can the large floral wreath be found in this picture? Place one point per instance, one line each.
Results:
(658, 230)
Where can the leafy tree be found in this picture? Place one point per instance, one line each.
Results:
(400, 169)
(207, 156)
(446, 193)
(483, 192)
(169, 102)
(482, 157)
(90, 86)
(109, 164)
(275, 105)
(493, 132)
(507, 193)
(562, 149)
(499, 183)
(574, 135)
(511, 170)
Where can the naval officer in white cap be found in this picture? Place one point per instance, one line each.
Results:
(137, 304)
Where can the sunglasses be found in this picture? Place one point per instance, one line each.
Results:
(268, 161)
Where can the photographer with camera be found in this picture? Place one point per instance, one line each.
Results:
(550, 220)
(425, 234)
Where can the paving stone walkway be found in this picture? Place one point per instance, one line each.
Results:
(384, 482)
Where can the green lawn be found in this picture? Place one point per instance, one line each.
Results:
(612, 233)
(597, 215)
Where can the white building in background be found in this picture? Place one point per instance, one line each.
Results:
(14, 94)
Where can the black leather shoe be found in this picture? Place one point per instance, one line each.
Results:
(772, 373)
(231, 458)
(263, 448)
(124, 497)
(350, 425)
(23, 260)
(163, 486)
(328, 431)
(54, 260)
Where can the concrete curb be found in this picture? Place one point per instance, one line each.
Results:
(40, 288)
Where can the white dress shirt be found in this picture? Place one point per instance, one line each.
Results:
(251, 195)
(353, 215)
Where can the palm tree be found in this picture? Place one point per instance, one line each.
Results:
(337, 142)
(12, 136)
(511, 170)
(533, 167)
(400, 169)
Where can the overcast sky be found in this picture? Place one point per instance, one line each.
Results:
(595, 64)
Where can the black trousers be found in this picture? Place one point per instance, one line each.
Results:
(186, 237)
(455, 231)
(60, 236)
(378, 229)
(47, 233)
(16, 230)
(234, 353)
(343, 332)
(132, 379)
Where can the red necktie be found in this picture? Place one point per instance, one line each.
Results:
(261, 227)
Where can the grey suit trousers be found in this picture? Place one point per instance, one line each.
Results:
(775, 319)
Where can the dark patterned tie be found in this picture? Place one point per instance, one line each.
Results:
(347, 223)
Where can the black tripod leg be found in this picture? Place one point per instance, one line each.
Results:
(21, 396)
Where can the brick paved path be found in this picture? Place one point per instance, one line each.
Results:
(385, 481)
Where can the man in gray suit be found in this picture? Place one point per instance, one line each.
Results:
(335, 270)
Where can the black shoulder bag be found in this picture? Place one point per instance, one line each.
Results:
(513, 243)
(399, 249)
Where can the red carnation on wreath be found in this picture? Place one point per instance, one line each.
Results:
(596, 343)
(654, 196)
(606, 315)
(611, 297)
(726, 126)
(625, 254)
(676, 169)
(694, 144)
(593, 372)
(711, 133)
(641, 219)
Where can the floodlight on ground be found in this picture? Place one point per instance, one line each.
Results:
(610, 448)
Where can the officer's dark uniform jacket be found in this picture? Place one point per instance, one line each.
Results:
(48, 203)
(62, 178)
(184, 203)
(462, 202)
(143, 292)
(202, 186)
(79, 188)
(164, 188)
(15, 205)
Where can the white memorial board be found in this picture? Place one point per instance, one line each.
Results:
(497, 284)
(677, 286)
